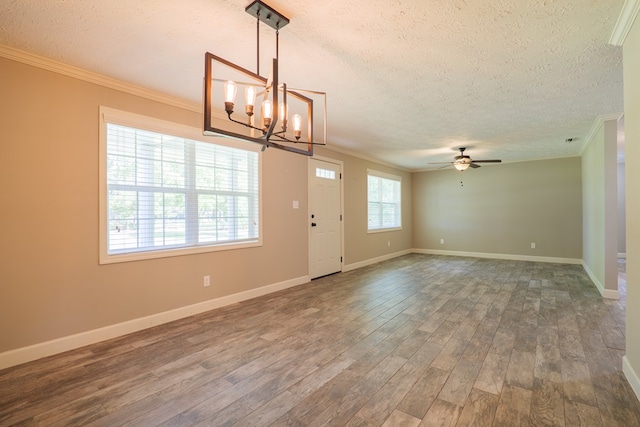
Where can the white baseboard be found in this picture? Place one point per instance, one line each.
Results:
(360, 264)
(610, 294)
(513, 257)
(606, 293)
(49, 348)
(632, 376)
(356, 265)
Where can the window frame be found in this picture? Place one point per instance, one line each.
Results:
(385, 176)
(119, 117)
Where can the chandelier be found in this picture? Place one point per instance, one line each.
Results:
(274, 115)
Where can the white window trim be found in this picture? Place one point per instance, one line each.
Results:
(111, 115)
(379, 174)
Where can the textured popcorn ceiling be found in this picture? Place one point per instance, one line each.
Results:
(407, 81)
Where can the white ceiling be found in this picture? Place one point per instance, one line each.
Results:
(407, 81)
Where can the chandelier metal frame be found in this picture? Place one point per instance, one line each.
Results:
(261, 127)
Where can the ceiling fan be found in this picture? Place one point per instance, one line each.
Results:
(462, 162)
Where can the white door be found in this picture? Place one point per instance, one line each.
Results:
(325, 237)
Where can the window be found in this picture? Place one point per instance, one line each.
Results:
(165, 193)
(325, 173)
(384, 200)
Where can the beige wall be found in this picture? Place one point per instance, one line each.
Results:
(51, 283)
(631, 57)
(600, 207)
(501, 209)
(361, 246)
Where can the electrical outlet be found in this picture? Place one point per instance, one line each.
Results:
(389, 243)
(206, 281)
(533, 245)
(442, 241)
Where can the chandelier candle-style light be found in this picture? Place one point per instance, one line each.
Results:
(273, 115)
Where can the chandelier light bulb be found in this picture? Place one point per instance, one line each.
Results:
(229, 95)
(268, 109)
(267, 113)
(250, 98)
(297, 125)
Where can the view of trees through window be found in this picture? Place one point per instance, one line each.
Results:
(383, 197)
(165, 191)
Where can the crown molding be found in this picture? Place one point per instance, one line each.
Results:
(98, 79)
(111, 83)
(364, 157)
(595, 126)
(625, 21)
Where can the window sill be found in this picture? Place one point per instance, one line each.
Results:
(383, 230)
(166, 253)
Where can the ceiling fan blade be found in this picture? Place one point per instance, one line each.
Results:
(473, 165)
(445, 166)
(439, 163)
(487, 161)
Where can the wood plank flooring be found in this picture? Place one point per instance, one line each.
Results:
(419, 340)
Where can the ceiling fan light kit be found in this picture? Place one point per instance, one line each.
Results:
(268, 122)
(462, 162)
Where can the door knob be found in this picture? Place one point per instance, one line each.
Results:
(313, 224)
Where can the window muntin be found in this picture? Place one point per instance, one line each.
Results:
(325, 173)
(167, 194)
(384, 201)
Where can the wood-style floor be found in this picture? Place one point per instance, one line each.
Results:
(418, 340)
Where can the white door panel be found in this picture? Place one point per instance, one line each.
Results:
(325, 238)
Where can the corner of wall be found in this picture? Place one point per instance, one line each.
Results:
(606, 293)
(595, 126)
(632, 376)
